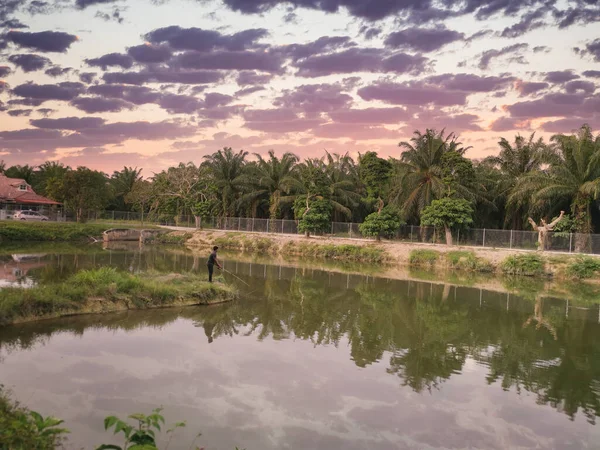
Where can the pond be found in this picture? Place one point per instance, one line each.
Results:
(311, 359)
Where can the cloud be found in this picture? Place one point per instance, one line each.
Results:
(586, 87)
(593, 48)
(312, 99)
(111, 60)
(325, 44)
(438, 119)
(592, 73)
(45, 111)
(149, 54)
(250, 78)
(422, 39)
(137, 95)
(411, 94)
(82, 4)
(19, 112)
(248, 91)
(550, 105)
(580, 14)
(360, 60)
(43, 92)
(4, 71)
(94, 105)
(205, 40)
(58, 71)
(170, 75)
(278, 121)
(541, 49)
(29, 62)
(69, 123)
(467, 82)
(114, 15)
(13, 24)
(526, 88)
(230, 60)
(560, 76)
(486, 57)
(370, 116)
(528, 22)
(358, 132)
(87, 77)
(509, 124)
(43, 41)
(567, 125)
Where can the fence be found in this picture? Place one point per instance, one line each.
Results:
(489, 238)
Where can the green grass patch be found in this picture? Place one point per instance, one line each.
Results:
(105, 290)
(583, 267)
(344, 252)
(171, 238)
(423, 257)
(528, 264)
(467, 261)
(49, 231)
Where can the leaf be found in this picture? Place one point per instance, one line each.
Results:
(109, 447)
(138, 416)
(39, 420)
(110, 421)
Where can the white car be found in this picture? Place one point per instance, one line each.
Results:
(30, 215)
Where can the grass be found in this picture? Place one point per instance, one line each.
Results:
(583, 267)
(467, 261)
(528, 264)
(106, 290)
(49, 231)
(344, 252)
(171, 238)
(423, 257)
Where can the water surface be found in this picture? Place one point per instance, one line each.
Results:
(314, 359)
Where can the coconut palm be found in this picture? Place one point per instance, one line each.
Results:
(228, 170)
(572, 177)
(421, 168)
(123, 182)
(48, 172)
(270, 179)
(343, 183)
(514, 161)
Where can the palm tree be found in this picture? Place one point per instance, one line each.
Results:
(228, 170)
(343, 181)
(270, 178)
(422, 172)
(515, 161)
(572, 177)
(46, 173)
(123, 182)
(25, 172)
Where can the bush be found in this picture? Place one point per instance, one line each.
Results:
(529, 264)
(330, 251)
(468, 261)
(583, 267)
(384, 224)
(49, 231)
(318, 217)
(423, 257)
(27, 430)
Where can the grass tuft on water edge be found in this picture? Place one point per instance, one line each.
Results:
(583, 267)
(528, 264)
(467, 261)
(344, 252)
(106, 290)
(49, 231)
(424, 257)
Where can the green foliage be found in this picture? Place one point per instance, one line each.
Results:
(22, 429)
(448, 212)
(383, 224)
(375, 173)
(107, 289)
(467, 261)
(317, 218)
(341, 252)
(423, 257)
(583, 267)
(457, 171)
(172, 238)
(49, 231)
(529, 264)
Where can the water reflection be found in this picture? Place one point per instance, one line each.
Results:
(447, 354)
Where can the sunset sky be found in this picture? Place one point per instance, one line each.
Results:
(144, 83)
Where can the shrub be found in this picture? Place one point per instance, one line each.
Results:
(448, 213)
(423, 257)
(49, 231)
(383, 224)
(316, 219)
(463, 260)
(583, 267)
(529, 264)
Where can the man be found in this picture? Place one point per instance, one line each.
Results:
(212, 260)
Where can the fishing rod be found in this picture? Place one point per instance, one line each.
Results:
(234, 275)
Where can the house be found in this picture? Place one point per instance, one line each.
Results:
(17, 194)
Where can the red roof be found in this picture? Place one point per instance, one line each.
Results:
(15, 190)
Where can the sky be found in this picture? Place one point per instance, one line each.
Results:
(152, 83)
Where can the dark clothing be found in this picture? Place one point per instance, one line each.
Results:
(212, 260)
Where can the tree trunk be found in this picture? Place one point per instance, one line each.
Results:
(448, 235)
(378, 237)
(307, 234)
(197, 221)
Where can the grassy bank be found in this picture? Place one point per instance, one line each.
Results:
(107, 290)
(49, 231)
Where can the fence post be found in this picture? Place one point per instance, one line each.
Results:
(350, 226)
(411, 232)
(239, 223)
(332, 228)
(457, 237)
(253, 224)
(511, 239)
(570, 242)
(268, 225)
(282, 223)
(483, 244)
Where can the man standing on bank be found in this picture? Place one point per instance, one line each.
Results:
(212, 260)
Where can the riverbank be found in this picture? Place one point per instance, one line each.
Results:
(108, 290)
(427, 256)
(13, 231)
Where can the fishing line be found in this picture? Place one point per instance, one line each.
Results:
(233, 275)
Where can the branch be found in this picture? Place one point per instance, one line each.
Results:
(533, 224)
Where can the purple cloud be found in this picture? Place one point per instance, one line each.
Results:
(94, 105)
(4, 71)
(111, 60)
(526, 88)
(508, 124)
(45, 111)
(422, 39)
(69, 123)
(43, 41)
(19, 112)
(560, 76)
(312, 99)
(411, 94)
(82, 4)
(593, 48)
(250, 78)
(149, 54)
(87, 77)
(58, 71)
(370, 116)
(230, 60)
(486, 57)
(355, 132)
(470, 83)
(172, 75)
(29, 62)
(204, 40)
(137, 95)
(592, 73)
(43, 92)
(586, 87)
(528, 22)
(550, 105)
(325, 44)
(248, 91)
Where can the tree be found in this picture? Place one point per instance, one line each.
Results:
(314, 215)
(572, 178)
(25, 172)
(342, 182)
(423, 178)
(381, 223)
(82, 191)
(543, 229)
(375, 174)
(270, 179)
(46, 174)
(448, 213)
(229, 176)
(139, 196)
(122, 182)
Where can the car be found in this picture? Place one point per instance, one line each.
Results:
(30, 215)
